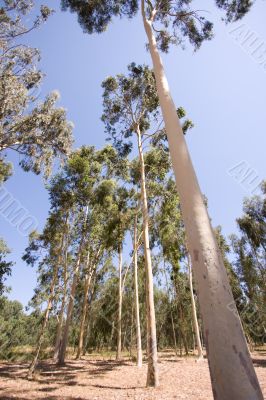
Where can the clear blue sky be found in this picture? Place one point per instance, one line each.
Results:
(222, 88)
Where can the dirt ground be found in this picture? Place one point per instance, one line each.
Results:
(99, 379)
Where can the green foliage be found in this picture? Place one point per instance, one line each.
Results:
(94, 16)
(17, 329)
(38, 131)
(174, 22)
(129, 101)
(250, 264)
(235, 9)
(5, 266)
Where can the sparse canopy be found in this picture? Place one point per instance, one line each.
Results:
(131, 100)
(37, 130)
(174, 22)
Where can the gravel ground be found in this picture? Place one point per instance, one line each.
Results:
(110, 380)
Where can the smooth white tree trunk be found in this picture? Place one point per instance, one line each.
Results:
(119, 313)
(232, 372)
(194, 313)
(88, 276)
(152, 375)
(44, 324)
(64, 341)
(63, 304)
(136, 287)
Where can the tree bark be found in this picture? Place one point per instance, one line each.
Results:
(62, 310)
(88, 322)
(63, 345)
(138, 332)
(44, 324)
(48, 308)
(119, 311)
(152, 375)
(232, 372)
(194, 313)
(84, 306)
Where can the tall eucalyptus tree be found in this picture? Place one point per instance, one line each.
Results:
(84, 182)
(130, 105)
(46, 249)
(37, 130)
(167, 22)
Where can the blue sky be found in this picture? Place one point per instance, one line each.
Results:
(222, 87)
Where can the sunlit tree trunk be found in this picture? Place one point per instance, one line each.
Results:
(88, 322)
(131, 328)
(232, 372)
(87, 282)
(63, 304)
(44, 324)
(136, 292)
(49, 306)
(119, 311)
(152, 375)
(194, 313)
(63, 345)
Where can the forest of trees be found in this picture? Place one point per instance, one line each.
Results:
(128, 263)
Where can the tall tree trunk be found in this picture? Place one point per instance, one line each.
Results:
(136, 286)
(119, 311)
(44, 323)
(60, 323)
(171, 309)
(194, 313)
(62, 309)
(131, 327)
(232, 372)
(88, 323)
(84, 306)
(48, 308)
(63, 344)
(152, 375)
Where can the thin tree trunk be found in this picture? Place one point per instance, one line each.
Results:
(44, 324)
(60, 323)
(194, 313)
(88, 324)
(171, 309)
(232, 372)
(84, 306)
(131, 328)
(152, 375)
(173, 329)
(63, 345)
(119, 313)
(48, 308)
(62, 310)
(136, 286)
(193, 338)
